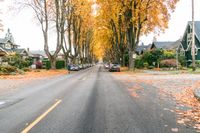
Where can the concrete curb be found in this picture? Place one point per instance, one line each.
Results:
(197, 93)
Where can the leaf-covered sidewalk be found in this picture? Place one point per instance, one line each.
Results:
(10, 83)
(178, 88)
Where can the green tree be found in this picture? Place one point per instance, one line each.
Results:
(153, 56)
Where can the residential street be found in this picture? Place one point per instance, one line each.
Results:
(88, 101)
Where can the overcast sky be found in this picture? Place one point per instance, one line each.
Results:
(27, 33)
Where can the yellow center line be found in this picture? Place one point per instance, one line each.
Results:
(27, 129)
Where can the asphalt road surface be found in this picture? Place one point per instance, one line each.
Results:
(88, 101)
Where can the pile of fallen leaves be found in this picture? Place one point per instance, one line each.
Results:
(179, 87)
(192, 114)
(34, 74)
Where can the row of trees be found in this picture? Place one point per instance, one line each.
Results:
(71, 20)
(112, 29)
(121, 23)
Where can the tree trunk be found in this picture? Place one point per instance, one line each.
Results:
(123, 60)
(53, 63)
(131, 61)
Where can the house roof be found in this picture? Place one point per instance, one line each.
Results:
(162, 45)
(141, 48)
(2, 49)
(197, 28)
(167, 45)
(3, 40)
(37, 53)
(19, 50)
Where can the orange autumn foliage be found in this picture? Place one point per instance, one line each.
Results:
(142, 16)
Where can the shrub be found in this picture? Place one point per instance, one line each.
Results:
(46, 64)
(17, 61)
(197, 63)
(146, 64)
(169, 55)
(60, 64)
(150, 67)
(152, 56)
(168, 63)
(21, 71)
(26, 69)
(182, 60)
(139, 63)
(8, 69)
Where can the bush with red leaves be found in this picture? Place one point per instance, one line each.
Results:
(168, 63)
(38, 65)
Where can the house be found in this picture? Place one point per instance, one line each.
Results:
(182, 46)
(170, 45)
(164, 45)
(187, 41)
(37, 55)
(142, 48)
(8, 46)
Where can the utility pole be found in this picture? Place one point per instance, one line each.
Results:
(193, 39)
(177, 63)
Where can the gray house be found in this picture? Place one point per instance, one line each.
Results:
(142, 48)
(170, 45)
(8, 46)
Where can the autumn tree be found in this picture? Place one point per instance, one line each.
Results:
(130, 19)
(144, 16)
(78, 30)
(110, 20)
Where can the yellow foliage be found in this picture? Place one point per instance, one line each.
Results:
(147, 16)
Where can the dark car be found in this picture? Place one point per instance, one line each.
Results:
(115, 68)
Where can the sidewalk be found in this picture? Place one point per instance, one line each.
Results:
(11, 83)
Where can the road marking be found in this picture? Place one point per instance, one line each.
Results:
(27, 129)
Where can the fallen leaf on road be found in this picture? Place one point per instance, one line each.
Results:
(181, 121)
(174, 129)
(134, 94)
(197, 126)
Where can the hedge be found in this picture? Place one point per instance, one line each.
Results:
(60, 64)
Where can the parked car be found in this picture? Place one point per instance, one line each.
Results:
(80, 66)
(107, 66)
(74, 67)
(115, 67)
